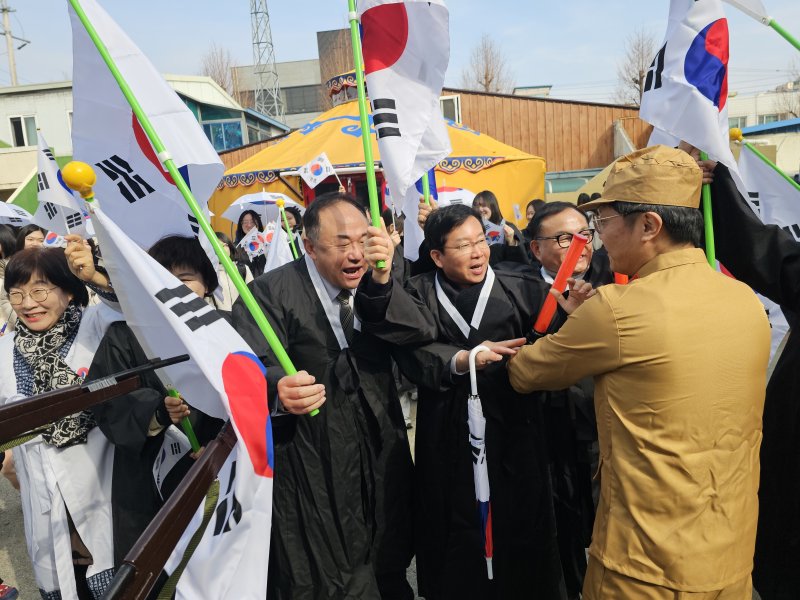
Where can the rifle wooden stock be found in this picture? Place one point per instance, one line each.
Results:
(142, 566)
(21, 417)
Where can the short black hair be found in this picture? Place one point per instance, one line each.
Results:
(550, 209)
(25, 232)
(8, 241)
(256, 218)
(489, 200)
(682, 224)
(583, 198)
(49, 263)
(175, 252)
(311, 217)
(443, 220)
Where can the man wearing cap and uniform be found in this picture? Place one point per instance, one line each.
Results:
(679, 357)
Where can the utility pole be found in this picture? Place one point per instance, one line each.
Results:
(12, 65)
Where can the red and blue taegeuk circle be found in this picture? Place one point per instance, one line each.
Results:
(706, 63)
(245, 384)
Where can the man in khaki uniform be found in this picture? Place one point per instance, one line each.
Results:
(679, 357)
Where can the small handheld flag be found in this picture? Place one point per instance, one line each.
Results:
(316, 171)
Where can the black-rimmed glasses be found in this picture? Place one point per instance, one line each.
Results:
(565, 239)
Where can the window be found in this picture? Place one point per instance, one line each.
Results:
(302, 99)
(740, 122)
(224, 135)
(451, 108)
(23, 131)
(766, 119)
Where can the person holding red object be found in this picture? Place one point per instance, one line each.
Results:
(679, 359)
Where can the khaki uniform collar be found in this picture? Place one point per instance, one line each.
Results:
(676, 258)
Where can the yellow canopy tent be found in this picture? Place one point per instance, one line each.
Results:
(477, 162)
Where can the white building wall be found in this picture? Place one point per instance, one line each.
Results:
(51, 108)
(752, 106)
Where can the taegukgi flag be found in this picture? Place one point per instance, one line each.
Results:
(686, 90)
(278, 251)
(134, 187)
(223, 379)
(406, 47)
(776, 202)
(316, 171)
(253, 243)
(59, 211)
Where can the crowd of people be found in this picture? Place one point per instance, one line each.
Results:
(632, 427)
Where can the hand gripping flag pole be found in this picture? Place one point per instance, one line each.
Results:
(480, 469)
(708, 221)
(560, 282)
(369, 164)
(81, 177)
(166, 160)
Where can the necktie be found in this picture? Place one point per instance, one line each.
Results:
(346, 314)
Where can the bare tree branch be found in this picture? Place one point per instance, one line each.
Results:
(640, 49)
(218, 64)
(488, 69)
(787, 102)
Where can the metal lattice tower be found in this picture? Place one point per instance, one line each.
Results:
(266, 92)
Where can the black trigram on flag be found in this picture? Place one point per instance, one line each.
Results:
(653, 81)
(131, 186)
(50, 209)
(49, 154)
(793, 230)
(73, 220)
(229, 510)
(42, 183)
(385, 122)
(175, 448)
(189, 304)
(755, 201)
(194, 225)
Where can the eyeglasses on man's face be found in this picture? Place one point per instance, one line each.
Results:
(565, 239)
(467, 247)
(37, 295)
(598, 222)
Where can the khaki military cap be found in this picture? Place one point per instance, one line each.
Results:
(654, 175)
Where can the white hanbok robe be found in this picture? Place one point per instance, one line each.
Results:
(56, 480)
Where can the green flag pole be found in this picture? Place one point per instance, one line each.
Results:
(784, 34)
(711, 254)
(286, 226)
(775, 167)
(426, 190)
(186, 424)
(247, 297)
(369, 164)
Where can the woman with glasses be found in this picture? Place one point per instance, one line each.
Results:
(65, 472)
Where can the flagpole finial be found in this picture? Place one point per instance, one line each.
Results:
(80, 177)
(735, 134)
(279, 202)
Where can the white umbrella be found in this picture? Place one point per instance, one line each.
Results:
(263, 203)
(11, 214)
(480, 469)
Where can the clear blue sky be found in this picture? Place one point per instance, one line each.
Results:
(572, 44)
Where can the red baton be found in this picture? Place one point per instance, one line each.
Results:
(560, 282)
